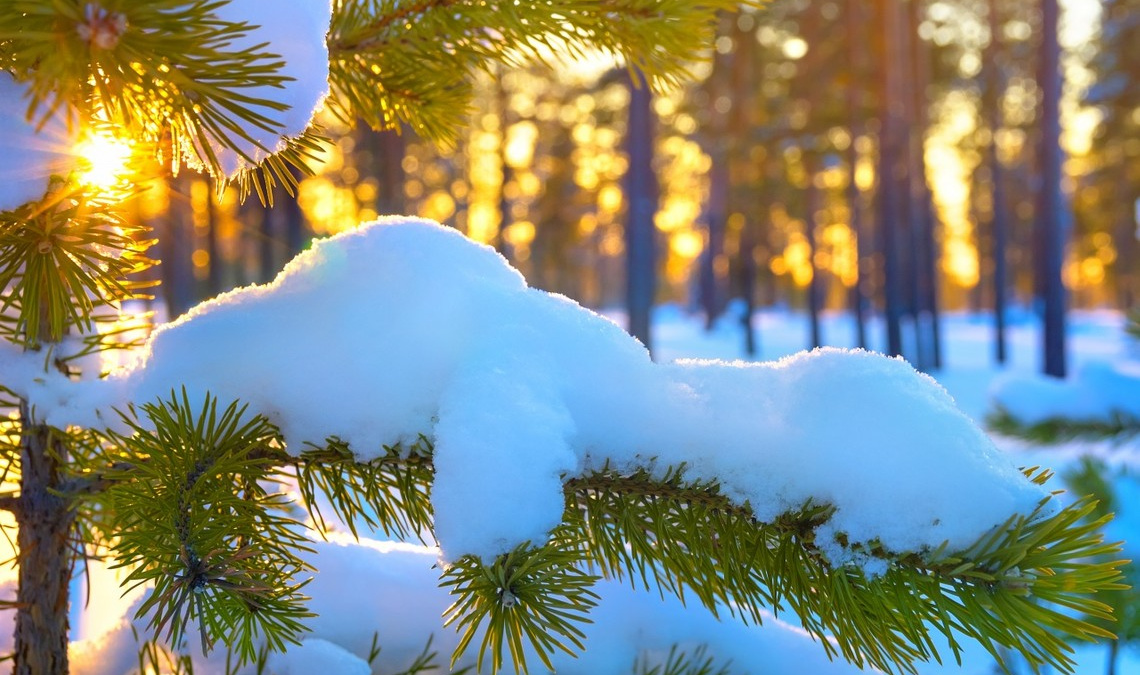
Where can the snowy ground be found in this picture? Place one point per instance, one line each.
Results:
(968, 373)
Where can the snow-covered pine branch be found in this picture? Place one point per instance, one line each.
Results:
(1100, 400)
(556, 449)
(536, 441)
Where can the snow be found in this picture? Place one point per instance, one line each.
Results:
(294, 31)
(30, 155)
(390, 589)
(389, 592)
(1096, 391)
(404, 327)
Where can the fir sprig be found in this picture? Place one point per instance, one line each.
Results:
(679, 662)
(391, 493)
(69, 261)
(531, 599)
(194, 520)
(1012, 589)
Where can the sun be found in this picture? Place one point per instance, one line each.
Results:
(103, 159)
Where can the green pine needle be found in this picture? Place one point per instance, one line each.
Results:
(193, 519)
(1117, 426)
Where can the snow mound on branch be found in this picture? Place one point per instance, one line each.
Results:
(30, 155)
(1095, 391)
(405, 327)
(390, 592)
(295, 31)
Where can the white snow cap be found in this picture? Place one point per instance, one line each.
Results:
(29, 155)
(405, 327)
(296, 31)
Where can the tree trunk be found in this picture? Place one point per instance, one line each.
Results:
(175, 234)
(640, 231)
(1051, 206)
(503, 100)
(998, 226)
(928, 323)
(44, 519)
(813, 207)
(856, 47)
(892, 149)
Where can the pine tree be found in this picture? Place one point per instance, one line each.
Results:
(177, 491)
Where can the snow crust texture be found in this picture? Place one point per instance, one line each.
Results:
(405, 327)
(295, 31)
(29, 155)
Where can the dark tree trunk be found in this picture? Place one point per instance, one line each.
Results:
(891, 200)
(855, 50)
(812, 200)
(928, 324)
(294, 228)
(175, 234)
(991, 101)
(1051, 203)
(716, 215)
(214, 268)
(640, 231)
(44, 519)
(385, 163)
(503, 100)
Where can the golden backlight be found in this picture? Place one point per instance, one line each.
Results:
(104, 159)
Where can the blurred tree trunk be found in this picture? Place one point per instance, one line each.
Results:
(640, 231)
(502, 97)
(175, 233)
(743, 172)
(385, 163)
(293, 223)
(717, 209)
(814, 207)
(925, 255)
(991, 105)
(215, 265)
(1051, 207)
(892, 150)
(856, 63)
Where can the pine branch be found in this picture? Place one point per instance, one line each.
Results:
(193, 519)
(1117, 426)
(397, 62)
(391, 493)
(1017, 588)
(66, 263)
(1013, 589)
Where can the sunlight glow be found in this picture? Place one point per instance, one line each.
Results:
(104, 159)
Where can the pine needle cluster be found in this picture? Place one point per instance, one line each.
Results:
(233, 567)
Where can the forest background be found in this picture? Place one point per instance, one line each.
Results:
(875, 157)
